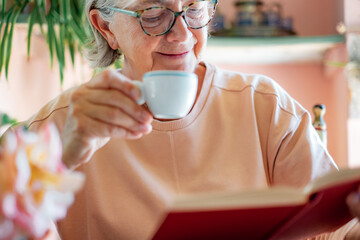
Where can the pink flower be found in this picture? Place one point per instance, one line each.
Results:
(35, 186)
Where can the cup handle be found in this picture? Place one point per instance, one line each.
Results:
(141, 100)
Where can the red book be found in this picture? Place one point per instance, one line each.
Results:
(275, 213)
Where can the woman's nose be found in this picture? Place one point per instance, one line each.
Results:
(180, 31)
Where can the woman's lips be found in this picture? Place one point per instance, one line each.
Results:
(174, 55)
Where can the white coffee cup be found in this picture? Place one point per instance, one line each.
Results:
(168, 94)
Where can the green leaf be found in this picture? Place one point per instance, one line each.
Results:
(10, 36)
(61, 50)
(2, 13)
(9, 41)
(81, 35)
(61, 57)
(66, 22)
(71, 45)
(32, 21)
(5, 119)
(56, 16)
(58, 47)
(61, 70)
(50, 36)
(4, 37)
(63, 10)
(40, 12)
(62, 44)
(54, 4)
(69, 16)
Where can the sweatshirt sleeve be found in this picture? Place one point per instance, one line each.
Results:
(298, 154)
(301, 157)
(55, 111)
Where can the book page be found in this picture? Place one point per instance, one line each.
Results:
(276, 196)
(332, 179)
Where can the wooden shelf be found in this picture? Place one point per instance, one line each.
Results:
(271, 50)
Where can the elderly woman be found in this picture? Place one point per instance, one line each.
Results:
(244, 131)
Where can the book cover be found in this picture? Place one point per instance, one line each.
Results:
(274, 213)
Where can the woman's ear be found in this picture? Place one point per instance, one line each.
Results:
(103, 27)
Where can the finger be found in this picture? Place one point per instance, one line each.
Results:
(114, 131)
(111, 79)
(114, 98)
(112, 116)
(353, 202)
(85, 97)
(89, 128)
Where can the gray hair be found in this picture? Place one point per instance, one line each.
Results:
(99, 53)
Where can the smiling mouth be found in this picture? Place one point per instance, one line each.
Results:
(174, 55)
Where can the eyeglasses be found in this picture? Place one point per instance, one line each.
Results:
(157, 21)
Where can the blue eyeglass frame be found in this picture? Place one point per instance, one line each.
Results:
(138, 13)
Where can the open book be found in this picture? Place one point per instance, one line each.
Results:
(275, 213)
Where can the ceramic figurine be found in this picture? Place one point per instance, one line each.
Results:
(319, 123)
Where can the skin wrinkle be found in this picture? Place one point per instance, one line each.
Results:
(140, 5)
(134, 43)
(179, 49)
(151, 3)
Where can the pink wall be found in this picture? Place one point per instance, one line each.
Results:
(32, 82)
(311, 17)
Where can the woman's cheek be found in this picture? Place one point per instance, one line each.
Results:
(201, 39)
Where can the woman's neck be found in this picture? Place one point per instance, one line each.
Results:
(200, 72)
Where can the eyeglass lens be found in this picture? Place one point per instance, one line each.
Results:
(158, 20)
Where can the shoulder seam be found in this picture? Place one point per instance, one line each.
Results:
(44, 118)
(263, 93)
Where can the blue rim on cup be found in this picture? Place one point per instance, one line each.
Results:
(166, 72)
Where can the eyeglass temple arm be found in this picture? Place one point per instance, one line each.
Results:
(127, 12)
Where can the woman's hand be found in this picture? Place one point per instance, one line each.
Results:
(101, 109)
(353, 202)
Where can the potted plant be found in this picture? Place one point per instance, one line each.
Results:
(62, 22)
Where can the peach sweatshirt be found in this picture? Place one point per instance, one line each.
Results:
(245, 132)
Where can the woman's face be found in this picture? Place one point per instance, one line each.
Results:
(179, 49)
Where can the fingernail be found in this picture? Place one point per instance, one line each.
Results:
(149, 129)
(353, 198)
(135, 92)
(145, 116)
(146, 129)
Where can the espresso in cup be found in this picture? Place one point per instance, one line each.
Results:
(168, 94)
